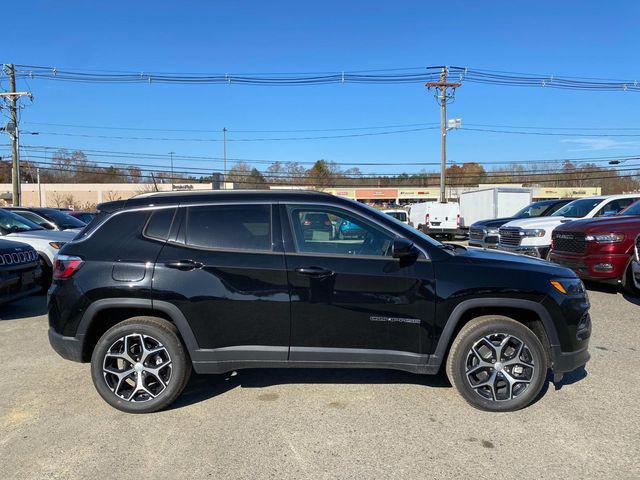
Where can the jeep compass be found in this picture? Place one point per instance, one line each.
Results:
(164, 283)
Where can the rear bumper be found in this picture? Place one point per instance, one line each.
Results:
(436, 230)
(69, 348)
(590, 267)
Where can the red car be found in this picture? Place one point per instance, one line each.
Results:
(600, 249)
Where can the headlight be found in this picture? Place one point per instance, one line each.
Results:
(535, 232)
(491, 231)
(57, 245)
(605, 238)
(568, 286)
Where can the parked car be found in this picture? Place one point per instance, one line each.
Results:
(317, 222)
(84, 217)
(19, 271)
(349, 229)
(45, 242)
(532, 236)
(600, 249)
(223, 280)
(436, 218)
(485, 233)
(398, 214)
(49, 218)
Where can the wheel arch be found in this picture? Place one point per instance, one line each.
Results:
(527, 312)
(105, 313)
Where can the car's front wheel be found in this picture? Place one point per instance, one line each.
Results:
(140, 365)
(497, 364)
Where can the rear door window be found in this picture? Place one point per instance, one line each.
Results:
(229, 227)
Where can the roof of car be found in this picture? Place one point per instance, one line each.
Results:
(182, 197)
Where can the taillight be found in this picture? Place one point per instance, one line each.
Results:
(66, 266)
(327, 222)
(426, 219)
(458, 220)
(307, 222)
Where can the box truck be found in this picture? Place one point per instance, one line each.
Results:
(490, 203)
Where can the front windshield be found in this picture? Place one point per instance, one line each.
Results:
(578, 208)
(633, 209)
(64, 221)
(402, 216)
(12, 223)
(534, 210)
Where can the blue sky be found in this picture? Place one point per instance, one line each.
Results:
(577, 38)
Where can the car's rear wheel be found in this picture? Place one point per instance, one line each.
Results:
(497, 364)
(140, 365)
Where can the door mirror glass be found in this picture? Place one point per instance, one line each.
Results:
(403, 248)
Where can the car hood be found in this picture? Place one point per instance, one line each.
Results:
(494, 222)
(538, 222)
(602, 224)
(513, 260)
(11, 245)
(49, 235)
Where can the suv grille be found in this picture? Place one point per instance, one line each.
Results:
(476, 233)
(572, 242)
(17, 258)
(510, 237)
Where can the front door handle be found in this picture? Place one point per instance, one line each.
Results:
(184, 265)
(314, 271)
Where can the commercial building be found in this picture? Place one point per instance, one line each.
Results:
(88, 195)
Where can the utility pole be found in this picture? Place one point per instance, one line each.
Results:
(171, 154)
(444, 93)
(12, 130)
(224, 156)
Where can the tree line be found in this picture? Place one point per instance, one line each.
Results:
(74, 167)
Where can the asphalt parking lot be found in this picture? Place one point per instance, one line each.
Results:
(318, 423)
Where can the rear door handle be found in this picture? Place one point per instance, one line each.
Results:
(184, 265)
(314, 271)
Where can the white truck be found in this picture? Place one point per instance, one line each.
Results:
(490, 203)
(532, 236)
(436, 218)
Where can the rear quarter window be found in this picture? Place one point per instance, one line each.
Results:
(159, 224)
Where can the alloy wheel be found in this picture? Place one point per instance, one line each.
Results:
(137, 367)
(499, 367)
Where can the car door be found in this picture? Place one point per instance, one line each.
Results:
(350, 300)
(224, 269)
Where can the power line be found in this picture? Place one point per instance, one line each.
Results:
(311, 130)
(380, 77)
(324, 137)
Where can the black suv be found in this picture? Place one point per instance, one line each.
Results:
(218, 281)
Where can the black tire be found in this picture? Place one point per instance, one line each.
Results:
(166, 334)
(627, 282)
(460, 355)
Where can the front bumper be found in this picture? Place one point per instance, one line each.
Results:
(530, 250)
(67, 347)
(18, 284)
(585, 266)
(564, 362)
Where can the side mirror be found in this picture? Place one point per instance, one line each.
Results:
(609, 213)
(48, 225)
(403, 248)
